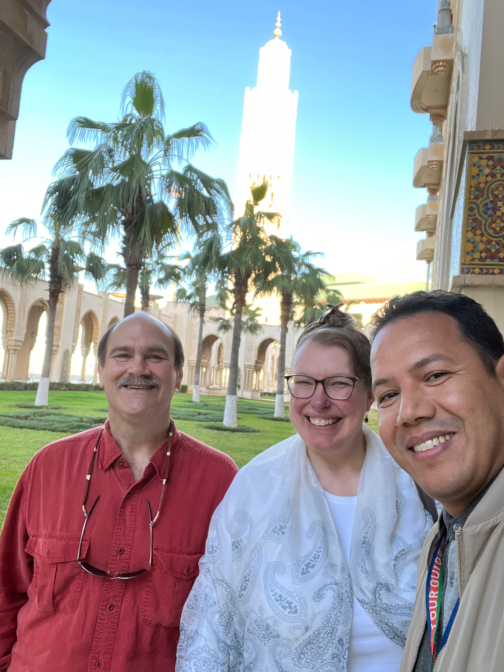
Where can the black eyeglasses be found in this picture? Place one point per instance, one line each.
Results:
(338, 388)
(127, 575)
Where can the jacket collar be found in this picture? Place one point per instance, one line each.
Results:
(482, 522)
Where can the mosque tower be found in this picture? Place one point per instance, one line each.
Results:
(268, 130)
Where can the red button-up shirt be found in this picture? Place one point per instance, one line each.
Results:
(53, 615)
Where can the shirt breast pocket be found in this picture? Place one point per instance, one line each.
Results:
(168, 586)
(57, 577)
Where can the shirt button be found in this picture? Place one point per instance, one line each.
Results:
(188, 571)
(120, 463)
(97, 664)
(120, 551)
(110, 607)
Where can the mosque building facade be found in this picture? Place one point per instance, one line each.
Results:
(459, 82)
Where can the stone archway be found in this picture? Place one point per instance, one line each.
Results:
(90, 328)
(212, 363)
(22, 368)
(265, 370)
(8, 324)
(113, 321)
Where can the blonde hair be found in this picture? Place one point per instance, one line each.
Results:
(339, 328)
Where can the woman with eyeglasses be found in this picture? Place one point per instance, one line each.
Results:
(311, 558)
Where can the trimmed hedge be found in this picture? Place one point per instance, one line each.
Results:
(245, 429)
(17, 386)
(50, 421)
(32, 405)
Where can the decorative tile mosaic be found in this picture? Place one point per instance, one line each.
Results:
(483, 230)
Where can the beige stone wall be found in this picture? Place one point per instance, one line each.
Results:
(475, 112)
(23, 40)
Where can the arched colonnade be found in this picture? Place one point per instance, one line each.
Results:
(78, 312)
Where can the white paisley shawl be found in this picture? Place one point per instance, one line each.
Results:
(275, 591)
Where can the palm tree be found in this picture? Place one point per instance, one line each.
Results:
(296, 282)
(59, 258)
(155, 272)
(200, 269)
(127, 185)
(251, 252)
(311, 307)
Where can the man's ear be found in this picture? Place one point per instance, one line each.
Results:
(180, 374)
(100, 370)
(499, 371)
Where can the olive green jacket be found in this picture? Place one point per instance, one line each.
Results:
(476, 641)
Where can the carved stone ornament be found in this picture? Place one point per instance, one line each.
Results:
(437, 119)
(440, 67)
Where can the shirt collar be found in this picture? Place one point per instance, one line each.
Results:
(109, 451)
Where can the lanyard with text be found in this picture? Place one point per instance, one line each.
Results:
(434, 594)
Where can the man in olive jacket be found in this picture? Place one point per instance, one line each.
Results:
(438, 376)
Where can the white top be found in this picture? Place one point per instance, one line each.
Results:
(275, 589)
(370, 650)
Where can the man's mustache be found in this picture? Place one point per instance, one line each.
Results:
(141, 381)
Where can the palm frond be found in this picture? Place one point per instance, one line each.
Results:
(143, 94)
(83, 129)
(22, 267)
(28, 227)
(185, 142)
(96, 268)
(116, 277)
(224, 325)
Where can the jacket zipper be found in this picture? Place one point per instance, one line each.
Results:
(457, 541)
(421, 638)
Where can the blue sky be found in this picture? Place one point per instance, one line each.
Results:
(356, 136)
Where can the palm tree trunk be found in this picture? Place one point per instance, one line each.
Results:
(132, 271)
(42, 398)
(230, 410)
(285, 310)
(145, 297)
(199, 352)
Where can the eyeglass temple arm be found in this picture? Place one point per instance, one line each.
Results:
(165, 476)
(88, 475)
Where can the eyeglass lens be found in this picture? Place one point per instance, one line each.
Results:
(336, 387)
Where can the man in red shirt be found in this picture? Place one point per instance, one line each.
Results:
(102, 538)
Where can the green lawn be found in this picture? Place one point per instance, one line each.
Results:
(17, 446)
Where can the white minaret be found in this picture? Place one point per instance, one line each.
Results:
(268, 130)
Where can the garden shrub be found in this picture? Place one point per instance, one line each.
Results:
(245, 429)
(16, 386)
(32, 405)
(195, 416)
(50, 421)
